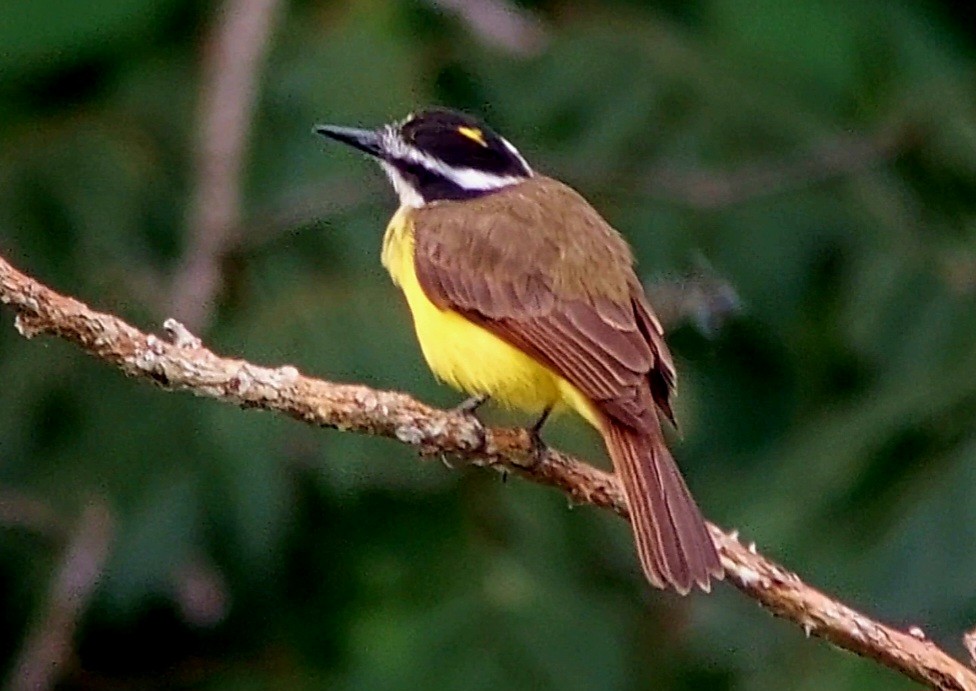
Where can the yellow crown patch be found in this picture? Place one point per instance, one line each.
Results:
(474, 134)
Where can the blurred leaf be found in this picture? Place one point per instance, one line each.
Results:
(42, 33)
(816, 40)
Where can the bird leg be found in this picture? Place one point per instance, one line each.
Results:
(470, 405)
(539, 447)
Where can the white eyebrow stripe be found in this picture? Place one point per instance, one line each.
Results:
(515, 152)
(472, 179)
(467, 178)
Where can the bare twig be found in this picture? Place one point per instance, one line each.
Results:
(228, 90)
(48, 646)
(200, 591)
(182, 363)
(969, 641)
(499, 23)
(302, 206)
(20, 511)
(706, 189)
(703, 298)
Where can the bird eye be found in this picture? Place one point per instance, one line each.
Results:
(474, 134)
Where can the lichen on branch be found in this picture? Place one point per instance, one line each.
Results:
(180, 362)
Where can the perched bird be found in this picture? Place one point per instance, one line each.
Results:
(522, 293)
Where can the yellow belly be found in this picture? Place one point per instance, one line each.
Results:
(467, 356)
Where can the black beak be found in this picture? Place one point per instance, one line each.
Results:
(364, 140)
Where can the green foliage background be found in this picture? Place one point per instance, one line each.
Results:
(832, 421)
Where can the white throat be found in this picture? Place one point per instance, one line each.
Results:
(405, 191)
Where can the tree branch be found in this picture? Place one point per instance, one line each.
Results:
(21, 511)
(49, 645)
(711, 189)
(228, 91)
(499, 23)
(182, 363)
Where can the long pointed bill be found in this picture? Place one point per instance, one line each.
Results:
(364, 140)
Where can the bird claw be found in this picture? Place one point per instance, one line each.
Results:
(539, 449)
(470, 405)
(469, 408)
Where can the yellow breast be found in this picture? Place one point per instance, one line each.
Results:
(465, 355)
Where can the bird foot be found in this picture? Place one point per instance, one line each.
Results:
(540, 450)
(469, 408)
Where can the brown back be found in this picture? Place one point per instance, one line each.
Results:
(535, 264)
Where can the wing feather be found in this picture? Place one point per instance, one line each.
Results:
(526, 274)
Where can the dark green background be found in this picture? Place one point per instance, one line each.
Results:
(831, 421)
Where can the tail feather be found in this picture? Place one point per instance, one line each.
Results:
(673, 543)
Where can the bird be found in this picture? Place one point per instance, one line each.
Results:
(521, 293)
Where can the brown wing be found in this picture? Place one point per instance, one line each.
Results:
(537, 266)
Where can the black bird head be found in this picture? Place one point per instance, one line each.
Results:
(438, 154)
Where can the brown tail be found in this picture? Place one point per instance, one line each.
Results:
(672, 540)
